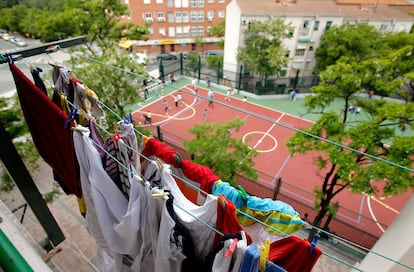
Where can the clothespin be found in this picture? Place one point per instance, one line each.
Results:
(127, 119)
(116, 137)
(160, 194)
(222, 200)
(264, 253)
(314, 242)
(71, 117)
(52, 49)
(232, 248)
(242, 193)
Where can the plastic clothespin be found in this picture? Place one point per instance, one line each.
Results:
(72, 115)
(242, 193)
(232, 248)
(264, 253)
(127, 119)
(313, 243)
(117, 136)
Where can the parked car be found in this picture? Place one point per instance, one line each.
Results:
(166, 56)
(141, 58)
(5, 36)
(213, 53)
(18, 41)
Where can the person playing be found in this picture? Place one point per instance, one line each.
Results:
(176, 100)
(205, 115)
(244, 99)
(210, 102)
(228, 94)
(208, 82)
(194, 83)
(166, 106)
(148, 118)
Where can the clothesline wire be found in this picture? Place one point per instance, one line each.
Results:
(287, 126)
(270, 120)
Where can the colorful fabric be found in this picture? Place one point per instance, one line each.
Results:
(293, 254)
(46, 124)
(280, 216)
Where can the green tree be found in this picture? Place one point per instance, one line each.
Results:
(219, 31)
(356, 42)
(199, 42)
(227, 156)
(348, 167)
(263, 52)
(116, 79)
(193, 62)
(12, 119)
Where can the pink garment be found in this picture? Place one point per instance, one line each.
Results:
(46, 123)
(293, 254)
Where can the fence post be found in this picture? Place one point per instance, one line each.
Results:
(161, 68)
(159, 133)
(277, 188)
(199, 67)
(218, 72)
(240, 78)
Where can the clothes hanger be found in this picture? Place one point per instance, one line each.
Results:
(264, 254)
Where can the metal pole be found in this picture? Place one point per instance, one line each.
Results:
(10, 258)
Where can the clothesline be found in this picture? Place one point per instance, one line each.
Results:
(316, 228)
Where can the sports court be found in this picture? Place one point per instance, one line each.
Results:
(266, 129)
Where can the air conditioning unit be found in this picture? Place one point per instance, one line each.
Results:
(149, 20)
(161, 19)
(210, 18)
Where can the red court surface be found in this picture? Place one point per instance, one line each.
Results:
(267, 132)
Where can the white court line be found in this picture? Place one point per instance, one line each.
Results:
(267, 132)
(373, 215)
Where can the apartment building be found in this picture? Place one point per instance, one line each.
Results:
(176, 25)
(310, 19)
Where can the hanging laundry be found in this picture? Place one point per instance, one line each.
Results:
(280, 216)
(61, 80)
(293, 254)
(46, 125)
(35, 71)
(111, 219)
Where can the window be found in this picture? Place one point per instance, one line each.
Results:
(147, 1)
(311, 45)
(186, 30)
(170, 3)
(220, 14)
(193, 31)
(221, 1)
(200, 31)
(210, 1)
(300, 52)
(160, 16)
(150, 30)
(171, 31)
(177, 3)
(287, 53)
(159, 1)
(328, 25)
(161, 31)
(306, 24)
(178, 17)
(200, 3)
(193, 3)
(307, 64)
(209, 30)
(194, 16)
(171, 17)
(148, 17)
(179, 30)
(316, 25)
(210, 13)
(185, 17)
(201, 16)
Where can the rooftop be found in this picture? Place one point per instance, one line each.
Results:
(321, 8)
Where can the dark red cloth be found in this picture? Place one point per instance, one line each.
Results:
(200, 174)
(46, 123)
(153, 147)
(194, 172)
(293, 254)
(227, 222)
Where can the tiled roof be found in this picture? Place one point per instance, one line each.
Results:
(317, 7)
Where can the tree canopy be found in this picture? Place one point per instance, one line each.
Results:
(371, 156)
(263, 52)
(227, 156)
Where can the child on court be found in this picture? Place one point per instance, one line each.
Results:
(205, 115)
(166, 106)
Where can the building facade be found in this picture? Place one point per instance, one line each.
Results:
(310, 19)
(176, 25)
